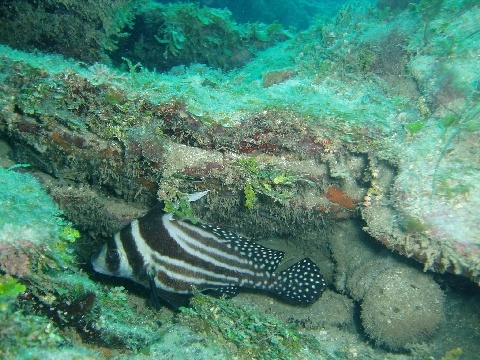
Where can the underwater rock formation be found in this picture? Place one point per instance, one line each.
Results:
(165, 150)
(371, 123)
(400, 305)
(422, 201)
(165, 36)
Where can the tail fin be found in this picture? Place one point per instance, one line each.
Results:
(300, 284)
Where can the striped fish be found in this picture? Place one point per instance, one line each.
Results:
(175, 256)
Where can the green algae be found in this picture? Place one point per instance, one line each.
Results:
(180, 206)
(454, 354)
(265, 179)
(250, 197)
(411, 225)
(415, 127)
(10, 288)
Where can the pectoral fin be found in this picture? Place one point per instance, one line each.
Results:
(159, 296)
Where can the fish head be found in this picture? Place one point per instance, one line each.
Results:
(111, 260)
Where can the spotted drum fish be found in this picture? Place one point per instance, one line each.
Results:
(174, 257)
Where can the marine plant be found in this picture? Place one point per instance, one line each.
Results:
(415, 127)
(133, 69)
(253, 334)
(179, 205)
(453, 354)
(250, 197)
(10, 288)
(265, 179)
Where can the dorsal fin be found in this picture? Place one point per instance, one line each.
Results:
(266, 259)
(197, 195)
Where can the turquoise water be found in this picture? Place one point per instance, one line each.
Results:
(345, 132)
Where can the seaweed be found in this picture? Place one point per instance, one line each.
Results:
(267, 180)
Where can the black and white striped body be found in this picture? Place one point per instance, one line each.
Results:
(180, 256)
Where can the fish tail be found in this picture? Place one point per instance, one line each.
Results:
(300, 284)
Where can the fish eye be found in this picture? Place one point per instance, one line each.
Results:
(112, 256)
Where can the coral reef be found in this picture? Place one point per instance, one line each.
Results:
(371, 126)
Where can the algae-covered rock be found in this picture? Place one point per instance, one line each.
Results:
(85, 30)
(34, 244)
(429, 211)
(30, 226)
(53, 297)
(274, 77)
(164, 36)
